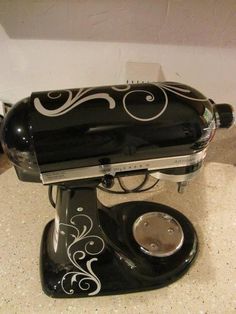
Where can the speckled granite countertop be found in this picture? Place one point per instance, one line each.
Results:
(208, 287)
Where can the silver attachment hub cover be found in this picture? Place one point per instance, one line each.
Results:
(158, 234)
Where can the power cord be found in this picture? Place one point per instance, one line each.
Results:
(138, 189)
(135, 189)
(51, 200)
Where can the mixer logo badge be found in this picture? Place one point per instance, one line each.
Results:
(81, 248)
(129, 98)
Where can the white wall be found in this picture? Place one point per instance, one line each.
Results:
(57, 44)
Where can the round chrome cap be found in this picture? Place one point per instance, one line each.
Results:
(158, 234)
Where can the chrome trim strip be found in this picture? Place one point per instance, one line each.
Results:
(101, 170)
(175, 177)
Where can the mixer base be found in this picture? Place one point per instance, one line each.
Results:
(88, 251)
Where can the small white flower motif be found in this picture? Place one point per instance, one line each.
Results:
(79, 209)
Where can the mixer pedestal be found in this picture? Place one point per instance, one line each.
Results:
(92, 250)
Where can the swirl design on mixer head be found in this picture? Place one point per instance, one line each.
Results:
(178, 89)
(164, 87)
(82, 246)
(71, 101)
(149, 98)
(128, 92)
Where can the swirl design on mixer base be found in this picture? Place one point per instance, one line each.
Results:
(81, 97)
(82, 246)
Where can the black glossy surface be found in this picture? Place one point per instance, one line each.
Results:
(89, 249)
(94, 131)
(121, 266)
(17, 141)
(92, 126)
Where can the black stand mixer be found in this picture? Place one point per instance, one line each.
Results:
(83, 139)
